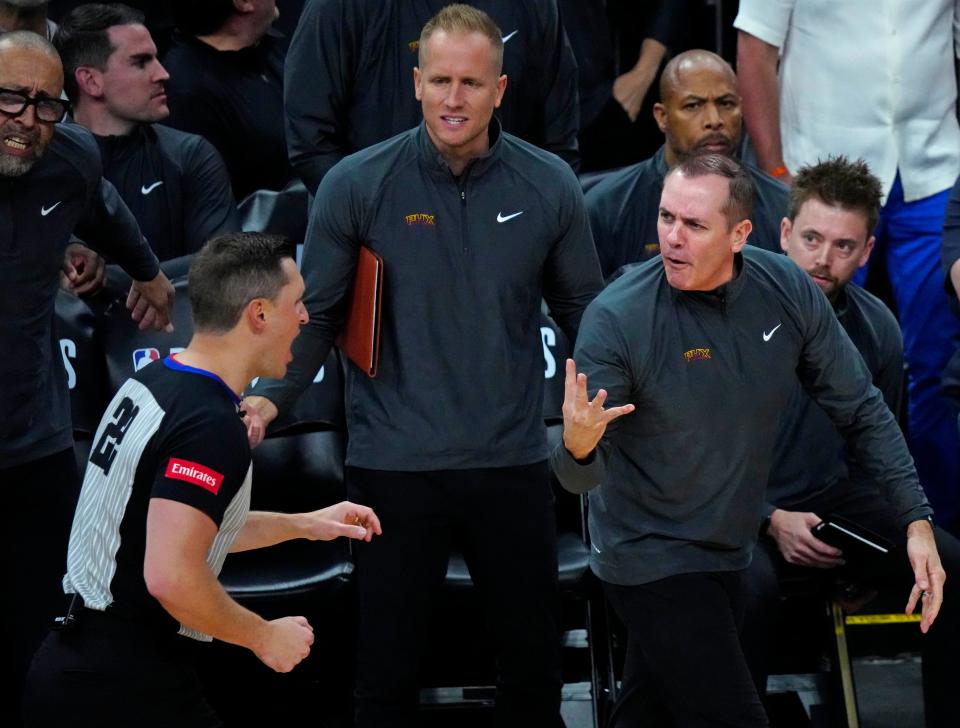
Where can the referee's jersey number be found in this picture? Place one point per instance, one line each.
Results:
(105, 452)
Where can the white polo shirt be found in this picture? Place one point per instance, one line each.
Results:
(867, 78)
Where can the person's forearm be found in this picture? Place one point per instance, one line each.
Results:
(760, 90)
(191, 594)
(631, 88)
(264, 528)
(111, 229)
(651, 55)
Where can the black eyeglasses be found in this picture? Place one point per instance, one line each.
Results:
(50, 110)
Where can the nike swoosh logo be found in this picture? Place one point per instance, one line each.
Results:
(44, 211)
(144, 190)
(503, 218)
(767, 335)
(509, 36)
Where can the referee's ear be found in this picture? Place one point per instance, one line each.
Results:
(256, 314)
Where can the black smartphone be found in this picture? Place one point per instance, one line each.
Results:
(852, 538)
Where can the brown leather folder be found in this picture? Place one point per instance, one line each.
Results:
(360, 337)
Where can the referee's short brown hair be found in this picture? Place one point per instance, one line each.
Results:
(230, 271)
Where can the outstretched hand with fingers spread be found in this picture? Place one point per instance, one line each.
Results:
(585, 421)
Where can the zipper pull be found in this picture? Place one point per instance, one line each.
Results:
(463, 195)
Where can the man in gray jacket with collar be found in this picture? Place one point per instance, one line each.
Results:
(700, 350)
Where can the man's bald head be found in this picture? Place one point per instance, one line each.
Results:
(30, 69)
(692, 62)
(27, 41)
(699, 107)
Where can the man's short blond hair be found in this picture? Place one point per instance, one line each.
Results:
(460, 19)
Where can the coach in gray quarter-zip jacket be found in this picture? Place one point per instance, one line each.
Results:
(475, 228)
(350, 66)
(699, 352)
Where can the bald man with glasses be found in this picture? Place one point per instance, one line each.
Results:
(50, 187)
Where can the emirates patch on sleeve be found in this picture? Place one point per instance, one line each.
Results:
(195, 473)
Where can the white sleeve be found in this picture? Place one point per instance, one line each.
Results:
(768, 20)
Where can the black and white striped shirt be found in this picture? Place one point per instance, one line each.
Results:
(171, 432)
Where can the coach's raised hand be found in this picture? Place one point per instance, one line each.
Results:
(585, 421)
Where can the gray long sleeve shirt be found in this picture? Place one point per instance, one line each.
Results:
(63, 193)
(467, 262)
(681, 481)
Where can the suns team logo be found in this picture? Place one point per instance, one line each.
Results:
(420, 218)
(696, 355)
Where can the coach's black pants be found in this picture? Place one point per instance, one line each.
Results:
(39, 498)
(684, 666)
(503, 519)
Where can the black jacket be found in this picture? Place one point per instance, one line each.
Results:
(235, 100)
(174, 183)
(62, 194)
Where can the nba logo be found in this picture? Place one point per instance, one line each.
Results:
(142, 357)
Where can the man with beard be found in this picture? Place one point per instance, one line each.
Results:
(699, 112)
(50, 186)
(834, 209)
(175, 183)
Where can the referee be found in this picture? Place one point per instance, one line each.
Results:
(165, 498)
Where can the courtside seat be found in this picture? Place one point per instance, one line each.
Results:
(83, 359)
(556, 351)
(293, 473)
(280, 212)
(298, 468)
(127, 348)
(573, 561)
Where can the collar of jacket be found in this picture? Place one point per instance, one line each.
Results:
(122, 146)
(438, 166)
(660, 163)
(721, 295)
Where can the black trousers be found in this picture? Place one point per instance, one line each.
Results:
(110, 671)
(40, 497)
(941, 645)
(503, 519)
(684, 666)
